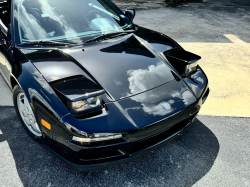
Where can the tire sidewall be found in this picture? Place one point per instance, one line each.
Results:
(16, 91)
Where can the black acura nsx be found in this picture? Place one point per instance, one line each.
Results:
(95, 87)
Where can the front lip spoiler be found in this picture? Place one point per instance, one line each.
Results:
(155, 145)
(131, 156)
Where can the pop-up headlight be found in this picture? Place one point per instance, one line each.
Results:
(86, 104)
(184, 62)
(79, 94)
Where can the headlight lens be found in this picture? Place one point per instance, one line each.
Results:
(87, 104)
(191, 68)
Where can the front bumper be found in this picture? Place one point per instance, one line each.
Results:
(122, 157)
(136, 142)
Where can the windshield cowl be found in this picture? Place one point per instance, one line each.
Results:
(44, 43)
(109, 36)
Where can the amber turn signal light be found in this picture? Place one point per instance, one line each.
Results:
(46, 124)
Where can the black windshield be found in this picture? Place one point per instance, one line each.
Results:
(66, 20)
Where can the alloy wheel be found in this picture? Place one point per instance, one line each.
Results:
(27, 114)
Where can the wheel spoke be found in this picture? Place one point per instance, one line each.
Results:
(32, 119)
(27, 120)
(26, 103)
(21, 104)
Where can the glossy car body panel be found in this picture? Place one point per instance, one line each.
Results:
(123, 61)
(112, 119)
(149, 104)
(74, 88)
(183, 56)
(53, 64)
(159, 41)
(197, 82)
(37, 88)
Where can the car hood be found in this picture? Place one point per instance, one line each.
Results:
(123, 66)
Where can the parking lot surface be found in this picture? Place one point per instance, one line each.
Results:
(149, 4)
(214, 151)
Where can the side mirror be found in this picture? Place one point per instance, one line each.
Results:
(130, 13)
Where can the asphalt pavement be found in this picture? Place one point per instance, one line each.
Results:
(5, 93)
(149, 4)
(214, 151)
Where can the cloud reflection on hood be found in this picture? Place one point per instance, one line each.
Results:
(151, 101)
(141, 79)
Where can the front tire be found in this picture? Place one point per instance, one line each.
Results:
(26, 114)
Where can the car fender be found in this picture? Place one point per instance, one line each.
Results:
(36, 88)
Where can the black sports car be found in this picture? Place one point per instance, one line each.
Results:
(92, 85)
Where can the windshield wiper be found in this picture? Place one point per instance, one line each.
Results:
(106, 36)
(50, 43)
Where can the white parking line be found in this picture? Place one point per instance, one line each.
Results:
(228, 70)
(8, 171)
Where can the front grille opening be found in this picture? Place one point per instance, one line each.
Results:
(160, 137)
(205, 96)
(99, 155)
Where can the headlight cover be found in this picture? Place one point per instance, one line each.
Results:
(86, 104)
(184, 62)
